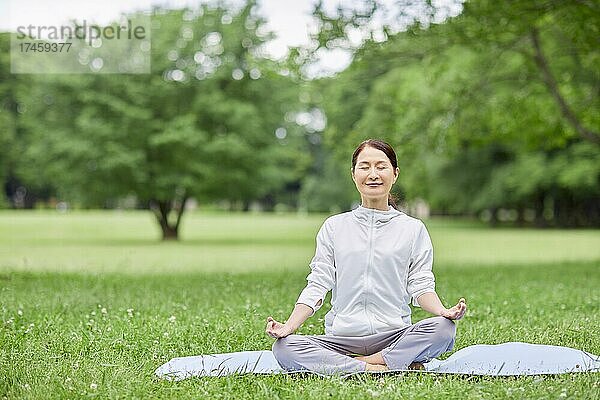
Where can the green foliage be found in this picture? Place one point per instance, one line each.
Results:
(492, 109)
(188, 128)
(200, 125)
(8, 114)
(332, 190)
(495, 108)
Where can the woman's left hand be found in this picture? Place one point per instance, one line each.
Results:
(456, 312)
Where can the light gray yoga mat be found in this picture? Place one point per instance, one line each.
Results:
(506, 359)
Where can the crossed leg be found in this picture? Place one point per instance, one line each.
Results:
(417, 344)
(395, 349)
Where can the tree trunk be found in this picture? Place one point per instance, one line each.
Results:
(162, 209)
(520, 216)
(557, 212)
(268, 202)
(170, 233)
(552, 85)
(494, 217)
(539, 221)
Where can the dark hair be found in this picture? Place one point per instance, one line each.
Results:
(389, 152)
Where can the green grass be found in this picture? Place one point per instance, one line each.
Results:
(113, 241)
(68, 281)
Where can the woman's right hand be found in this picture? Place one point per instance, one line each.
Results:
(277, 329)
(456, 312)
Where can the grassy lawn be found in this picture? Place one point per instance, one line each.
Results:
(91, 303)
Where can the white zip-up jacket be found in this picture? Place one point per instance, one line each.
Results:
(374, 262)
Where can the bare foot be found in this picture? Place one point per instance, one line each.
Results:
(376, 367)
(416, 366)
(372, 359)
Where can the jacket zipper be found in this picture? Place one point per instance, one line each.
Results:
(369, 262)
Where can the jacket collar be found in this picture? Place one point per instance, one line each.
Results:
(366, 215)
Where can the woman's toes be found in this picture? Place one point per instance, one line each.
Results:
(376, 367)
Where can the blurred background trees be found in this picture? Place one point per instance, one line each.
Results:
(493, 112)
(200, 126)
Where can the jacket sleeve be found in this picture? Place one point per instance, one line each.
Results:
(420, 275)
(322, 270)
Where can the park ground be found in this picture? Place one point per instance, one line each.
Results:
(91, 303)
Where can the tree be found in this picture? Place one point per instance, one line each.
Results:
(8, 112)
(484, 106)
(201, 124)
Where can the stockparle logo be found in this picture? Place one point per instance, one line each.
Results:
(122, 46)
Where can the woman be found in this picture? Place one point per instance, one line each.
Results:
(375, 259)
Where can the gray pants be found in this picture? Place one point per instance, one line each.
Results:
(332, 354)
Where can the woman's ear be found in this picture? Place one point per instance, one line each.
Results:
(396, 173)
(352, 174)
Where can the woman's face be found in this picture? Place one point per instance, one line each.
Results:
(374, 174)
